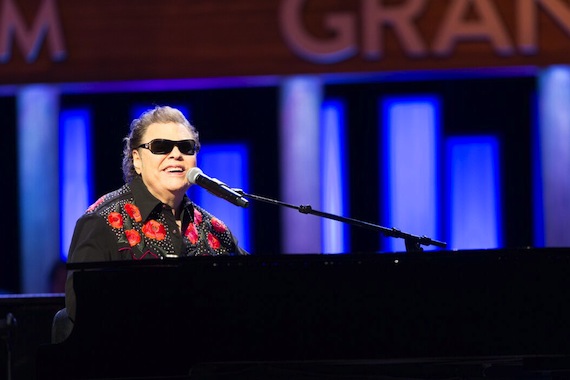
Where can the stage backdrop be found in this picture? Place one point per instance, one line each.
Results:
(106, 40)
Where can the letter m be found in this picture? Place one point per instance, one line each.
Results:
(30, 41)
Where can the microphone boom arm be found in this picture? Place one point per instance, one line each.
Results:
(413, 242)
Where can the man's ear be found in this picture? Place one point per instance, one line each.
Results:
(137, 163)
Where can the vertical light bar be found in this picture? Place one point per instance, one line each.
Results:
(475, 206)
(410, 139)
(75, 171)
(228, 163)
(300, 107)
(333, 174)
(554, 126)
(38, 170)
(538, 205)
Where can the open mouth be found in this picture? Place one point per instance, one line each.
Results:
(174, 170)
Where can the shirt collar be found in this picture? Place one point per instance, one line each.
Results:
(147, 203)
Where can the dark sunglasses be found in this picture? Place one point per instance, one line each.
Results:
(162, 146)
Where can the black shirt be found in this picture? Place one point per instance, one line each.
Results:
(131, 224)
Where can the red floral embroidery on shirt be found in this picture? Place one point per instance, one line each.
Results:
(147, 253)
(218, 225)
(133, 237)
(197, 217)
(154, 230)
(213, 241)
(133, 212)
(115, 220)
(191, 233)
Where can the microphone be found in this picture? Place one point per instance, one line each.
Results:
(215, 186)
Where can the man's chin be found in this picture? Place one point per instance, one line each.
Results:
(178, 186)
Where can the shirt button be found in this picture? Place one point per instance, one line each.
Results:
(174, 231)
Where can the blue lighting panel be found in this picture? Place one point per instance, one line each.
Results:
(38, 184)
(335, 237)
(473, 187)
(553, 195)
(228, 163)
(76, 188)
(409, 171)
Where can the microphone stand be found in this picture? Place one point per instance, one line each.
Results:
(413, 243)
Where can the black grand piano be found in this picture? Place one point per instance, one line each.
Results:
(443, 314)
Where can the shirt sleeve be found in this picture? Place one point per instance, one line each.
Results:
(238, 250)
(92, 241)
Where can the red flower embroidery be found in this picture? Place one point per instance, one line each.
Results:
(133, 212)
(115, 219)
(154, 230)
(213, 241)
(218, 225)
(191, 233)
(197, 217)
(133, 237)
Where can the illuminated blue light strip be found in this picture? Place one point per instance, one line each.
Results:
(335, 237)
(554, 111)
(38, 172)
(299, 136)
(473, 180)
(228, 163)
(156, 85)
(76, 191)
(537, 196)
(409, 146)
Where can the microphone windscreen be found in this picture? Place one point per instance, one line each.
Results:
(193, 174)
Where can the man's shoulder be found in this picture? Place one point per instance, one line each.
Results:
(107, 202)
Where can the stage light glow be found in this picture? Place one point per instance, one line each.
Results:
(474, 192)
(229, 163)
(334, 172)
(409, 170)
(76, 189)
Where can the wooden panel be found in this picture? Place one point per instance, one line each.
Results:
(133, 39)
